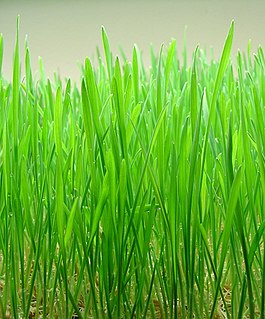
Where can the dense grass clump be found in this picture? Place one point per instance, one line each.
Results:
(139, 194)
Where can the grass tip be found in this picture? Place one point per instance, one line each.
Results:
(103, 29)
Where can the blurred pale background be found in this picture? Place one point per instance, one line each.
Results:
(65, 32)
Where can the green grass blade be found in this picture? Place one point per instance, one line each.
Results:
(1, 53)
(231, 205)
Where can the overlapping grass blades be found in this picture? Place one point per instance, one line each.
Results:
(139, 194)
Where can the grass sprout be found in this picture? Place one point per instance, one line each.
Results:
(139, 194)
